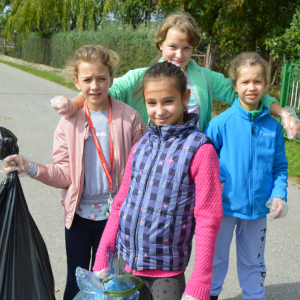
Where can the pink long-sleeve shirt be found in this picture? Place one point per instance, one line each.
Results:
(204, 171)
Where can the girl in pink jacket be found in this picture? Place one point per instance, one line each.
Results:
(90, 152)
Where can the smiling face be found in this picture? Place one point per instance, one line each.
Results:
(94, 81)
(250, 86)
(176, 49)
(164, 103)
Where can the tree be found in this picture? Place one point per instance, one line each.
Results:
(287, 43)
(234, 26)
(137, 11)
(52, 15)
(5, 10)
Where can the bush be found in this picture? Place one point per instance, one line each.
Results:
(121, 34)
(135, 47)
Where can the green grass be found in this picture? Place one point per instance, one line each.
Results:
(44, 74)
(293, 155)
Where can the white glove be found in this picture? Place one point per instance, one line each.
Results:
(16, 163)
(103, 273)
(290, 122)
(63, 105)
(187, 297)
(279, 208)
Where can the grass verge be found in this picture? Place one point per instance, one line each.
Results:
(293, 155)
(43, 74)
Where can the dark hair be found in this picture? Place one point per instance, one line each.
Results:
(169, 71)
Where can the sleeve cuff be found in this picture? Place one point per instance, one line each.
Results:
(197, 292)
(33, 170)
(98, 266)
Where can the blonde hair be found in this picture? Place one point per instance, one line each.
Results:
(182, 22)
(93, 53)
(248, 59)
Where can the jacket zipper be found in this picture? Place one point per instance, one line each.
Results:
(81, 163)
(138, 218)
(252, 166)
(117, 181)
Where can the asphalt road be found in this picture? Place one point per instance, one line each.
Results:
(25, 110)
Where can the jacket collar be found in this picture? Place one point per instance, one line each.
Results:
(176, 131)
(244, 114)
(190, 65)
(116, 109)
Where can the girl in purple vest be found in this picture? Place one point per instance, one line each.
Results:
(170, 190)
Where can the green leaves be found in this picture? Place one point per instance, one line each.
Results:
(241, 25)
(288, 42)
(53, 15)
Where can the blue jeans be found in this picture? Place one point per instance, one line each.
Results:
(82, 241)
(250, 248)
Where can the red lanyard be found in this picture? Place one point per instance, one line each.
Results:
(111, 150)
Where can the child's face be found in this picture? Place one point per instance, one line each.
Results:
(250, 86)
(94, 81)
(164, 103)
(176, 49)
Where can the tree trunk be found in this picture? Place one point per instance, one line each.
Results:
(275, 76)
(213, 57)
(4, 47)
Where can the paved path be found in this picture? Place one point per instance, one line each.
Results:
(25, 99)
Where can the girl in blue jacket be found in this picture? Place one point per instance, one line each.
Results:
(253, 169)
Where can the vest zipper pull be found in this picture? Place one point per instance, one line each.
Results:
(252, 128)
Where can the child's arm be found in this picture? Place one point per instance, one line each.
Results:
(57, 174)
(204, 170)
(280, 167)
(122, 89)
(214, 130)
(221, 89)
(108, 239)
(65, 106)
(278, 198)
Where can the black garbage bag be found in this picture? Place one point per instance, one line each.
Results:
(25, 270)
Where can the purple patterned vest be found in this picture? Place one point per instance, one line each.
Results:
(156, 221)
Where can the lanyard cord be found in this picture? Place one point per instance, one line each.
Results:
(97, 144)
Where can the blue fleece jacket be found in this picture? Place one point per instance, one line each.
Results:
(253, 163)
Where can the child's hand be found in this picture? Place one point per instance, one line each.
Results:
(290, 122)
(278, 208)
(16, 163)
(103, 273)
(186, 297)
(63, 105)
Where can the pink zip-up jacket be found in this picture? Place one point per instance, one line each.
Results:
(67, 170)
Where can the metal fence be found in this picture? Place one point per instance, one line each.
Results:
(56, 53)
(290, 89)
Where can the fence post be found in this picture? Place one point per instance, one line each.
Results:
(20, 47)
(43, 51)
(206, 57)
(285, 85)
(73, 46)
(4, 49)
